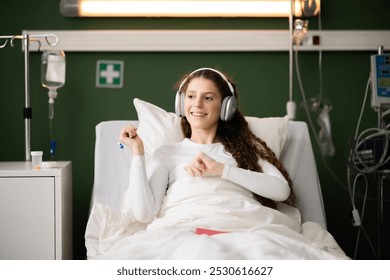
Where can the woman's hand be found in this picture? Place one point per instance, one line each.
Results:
(130, 138)
(203, 165)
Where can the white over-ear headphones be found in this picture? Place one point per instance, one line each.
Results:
(229, 103)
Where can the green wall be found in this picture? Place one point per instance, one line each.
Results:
(262, 79)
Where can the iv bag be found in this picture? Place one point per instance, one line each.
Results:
(325, 135)
(52, 74)
(53, 69)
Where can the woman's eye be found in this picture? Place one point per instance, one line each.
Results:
(209, 98)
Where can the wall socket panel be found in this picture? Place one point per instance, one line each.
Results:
(312, 40)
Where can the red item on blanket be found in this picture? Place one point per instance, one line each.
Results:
(207, 231)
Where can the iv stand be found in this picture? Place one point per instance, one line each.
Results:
(291, 106)
(27, 111)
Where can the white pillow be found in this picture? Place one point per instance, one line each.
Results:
(272, 130)
(158, 127)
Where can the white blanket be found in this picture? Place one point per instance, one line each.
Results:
(249, 230)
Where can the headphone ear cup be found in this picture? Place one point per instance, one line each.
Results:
(179, 104)
(228, 108)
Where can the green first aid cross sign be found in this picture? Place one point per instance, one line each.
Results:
(109, 73)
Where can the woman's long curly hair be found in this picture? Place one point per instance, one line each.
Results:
(236, 136)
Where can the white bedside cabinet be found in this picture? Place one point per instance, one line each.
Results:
(35, 211)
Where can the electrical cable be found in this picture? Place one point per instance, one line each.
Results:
(300, 83)
(385, 113)
(361, 227)
(320, 76)
(354, 189)
(354, 208)
(362, 108)
(311, 121)
(360, 141)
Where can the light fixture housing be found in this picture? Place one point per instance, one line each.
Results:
(191, 8)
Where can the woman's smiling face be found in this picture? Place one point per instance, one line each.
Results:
(202, 104)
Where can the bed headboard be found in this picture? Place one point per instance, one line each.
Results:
(112, 165)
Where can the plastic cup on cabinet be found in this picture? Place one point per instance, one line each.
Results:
(36, 159)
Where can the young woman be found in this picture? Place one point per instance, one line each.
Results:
(210, 196)
(218, 144)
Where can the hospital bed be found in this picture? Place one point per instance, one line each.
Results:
(111, 179)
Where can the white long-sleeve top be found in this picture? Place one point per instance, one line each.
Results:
(147, 188)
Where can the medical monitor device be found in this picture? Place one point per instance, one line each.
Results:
(380, 81)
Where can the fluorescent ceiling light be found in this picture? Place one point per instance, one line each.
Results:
(193, 8)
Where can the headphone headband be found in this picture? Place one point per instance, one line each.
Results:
(211, 69)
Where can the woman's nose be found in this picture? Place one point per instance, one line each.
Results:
(198, 102)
